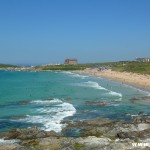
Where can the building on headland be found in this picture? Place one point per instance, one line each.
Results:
(143, 59)
(71, 61)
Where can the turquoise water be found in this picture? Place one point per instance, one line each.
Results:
(39, 99)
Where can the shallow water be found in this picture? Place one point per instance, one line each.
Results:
(38, 98)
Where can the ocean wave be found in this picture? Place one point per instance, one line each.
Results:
(91, 84)
(97, 86)
(52, 117)
(75, 75)
(115, 93)
(67, 72)
(79, 76)
(55, 100)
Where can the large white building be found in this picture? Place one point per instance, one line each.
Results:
(143, 59)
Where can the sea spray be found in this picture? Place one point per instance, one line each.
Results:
(50, 117)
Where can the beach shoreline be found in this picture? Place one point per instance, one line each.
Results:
(138, 81)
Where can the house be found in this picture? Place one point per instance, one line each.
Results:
(143, 59)
(71, 61)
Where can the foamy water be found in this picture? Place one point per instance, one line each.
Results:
(95, 85)
(75, 75)
(51, 117)
(51, 98)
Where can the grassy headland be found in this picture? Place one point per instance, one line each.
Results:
(124, 66)
(134, 67)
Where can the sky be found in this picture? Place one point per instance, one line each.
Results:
(49, 31)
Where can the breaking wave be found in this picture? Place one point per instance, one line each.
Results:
(91, 84)
(97, 86)
(50, 117)
(75, 75)
(115, 94)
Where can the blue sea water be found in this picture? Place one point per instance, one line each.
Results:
(44, 99)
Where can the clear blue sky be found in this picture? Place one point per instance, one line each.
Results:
(48, 31)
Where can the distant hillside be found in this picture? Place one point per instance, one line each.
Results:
(127, 66)
(7, 65)
(61, 67)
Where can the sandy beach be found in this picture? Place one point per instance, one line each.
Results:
(138, 80)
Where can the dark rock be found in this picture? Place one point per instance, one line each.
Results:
(30, 133)
(141, 113)
(13, 134)
(67, 99)
(19, 117)
(98, 103)
(134, 99)
(23, 102)
(146, 98)
(134, 134)
(142, 120)
(50, 99)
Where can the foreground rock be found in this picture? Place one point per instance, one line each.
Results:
(96, 134)
(101, 103)
(30, 133)
(138, 99)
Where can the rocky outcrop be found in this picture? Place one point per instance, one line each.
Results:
(96, 134)
(30, 133)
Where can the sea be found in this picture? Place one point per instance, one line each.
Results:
(49, 99)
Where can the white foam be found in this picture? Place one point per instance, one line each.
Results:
(67, 72)
(79, 76)
(8, 141)
(75, 75)
(51, 120)
(97, 86)
(115, 93)
(47, 101)
(91, 84)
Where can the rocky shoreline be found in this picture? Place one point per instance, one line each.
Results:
(95, 134)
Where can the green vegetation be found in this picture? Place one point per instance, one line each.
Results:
(62, 67)
(135, 67)
(7, 65)
(124, 66)
(78, 145)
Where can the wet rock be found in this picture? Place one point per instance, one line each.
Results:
(30, 133)
(136, 99)
(97, 134)
(142, 120)
(10, 146)
(19, 117)
(50, 99)
(13, 134)
(98, 103)
(135, 135)
(23, 102)
(146, 98)
(68, 99)
(140, 113)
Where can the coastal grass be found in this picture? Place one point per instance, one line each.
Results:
(134, 67)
